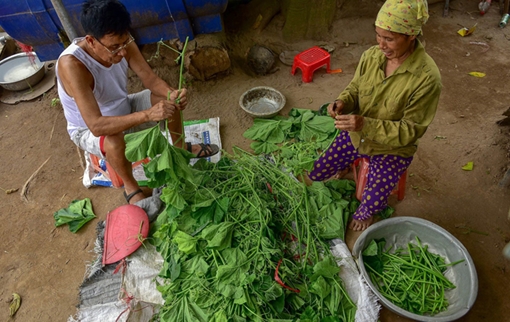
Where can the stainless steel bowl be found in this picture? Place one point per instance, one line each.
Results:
(17, 73)
(262, 102)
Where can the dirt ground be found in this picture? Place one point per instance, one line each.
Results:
(46, 265)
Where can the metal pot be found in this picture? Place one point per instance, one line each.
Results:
(17, 73)
(261, 59)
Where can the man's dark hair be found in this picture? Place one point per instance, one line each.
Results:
(103, 17)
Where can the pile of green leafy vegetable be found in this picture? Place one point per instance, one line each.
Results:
(244, 241)
(411, 278)
(295, 141)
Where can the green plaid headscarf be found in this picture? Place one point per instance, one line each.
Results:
(403, 16)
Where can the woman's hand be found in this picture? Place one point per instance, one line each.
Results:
(353, 123)
(179, 99)
(335, 108)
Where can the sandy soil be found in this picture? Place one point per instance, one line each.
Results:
(46, 265)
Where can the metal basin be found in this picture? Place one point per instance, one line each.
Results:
(262, 102)
(398, 232)
(17, 73)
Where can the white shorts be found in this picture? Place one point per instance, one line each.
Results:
(84, 139)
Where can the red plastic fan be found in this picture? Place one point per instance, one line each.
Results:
(126, 228)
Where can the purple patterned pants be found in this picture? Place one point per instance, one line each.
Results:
(384, 172)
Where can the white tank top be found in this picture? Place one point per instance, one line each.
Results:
(110, 88)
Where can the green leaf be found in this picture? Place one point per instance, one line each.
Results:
(174, 269)
(228, 279)
(345, 187)
(220, 316)
(235, 255)
(320, 287)
(76, 215)
(210, 210)
(322, 124)
(186, 243)
(279, 303)
(263, 147)
(296, 301)
(298, 112)
(196, 266)
(174, 312)
(226, 289)
(332, 223)
(146, 143)
(317, 129)
(287, 153)
(387, 212)
(175, 162)
(167, 161)
(371, 249)
(269, 247)
(171, 196)
(375, 261)
(165, 231)
(218, 236)
(274, 292)
(221, 209)
(468, 166)
(156, 179)
(332, 301)
(327, 268)
(268, 130)
(240, 296)
(309, 315)
(320, 193)
(197, 313)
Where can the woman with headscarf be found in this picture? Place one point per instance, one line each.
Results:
(385, 109)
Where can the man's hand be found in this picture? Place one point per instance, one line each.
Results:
(335, 108)
(161, 111)
(179, 99)
(352, 123)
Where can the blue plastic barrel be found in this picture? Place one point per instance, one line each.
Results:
(35, 22)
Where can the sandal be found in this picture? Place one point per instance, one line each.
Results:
(206, 150)
(132, 194)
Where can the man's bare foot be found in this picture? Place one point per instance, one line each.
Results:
(360, 225)
(134, 196)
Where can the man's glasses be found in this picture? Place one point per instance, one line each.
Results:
(117, 50)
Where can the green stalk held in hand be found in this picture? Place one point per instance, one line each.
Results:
(178, 99)
(411, 278)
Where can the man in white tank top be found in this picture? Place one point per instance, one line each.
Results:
(92, 85)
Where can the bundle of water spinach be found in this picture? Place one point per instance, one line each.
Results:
(412, 278)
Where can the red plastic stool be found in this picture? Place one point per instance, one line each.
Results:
(110, 173)
(309, 61)
(361, 179)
